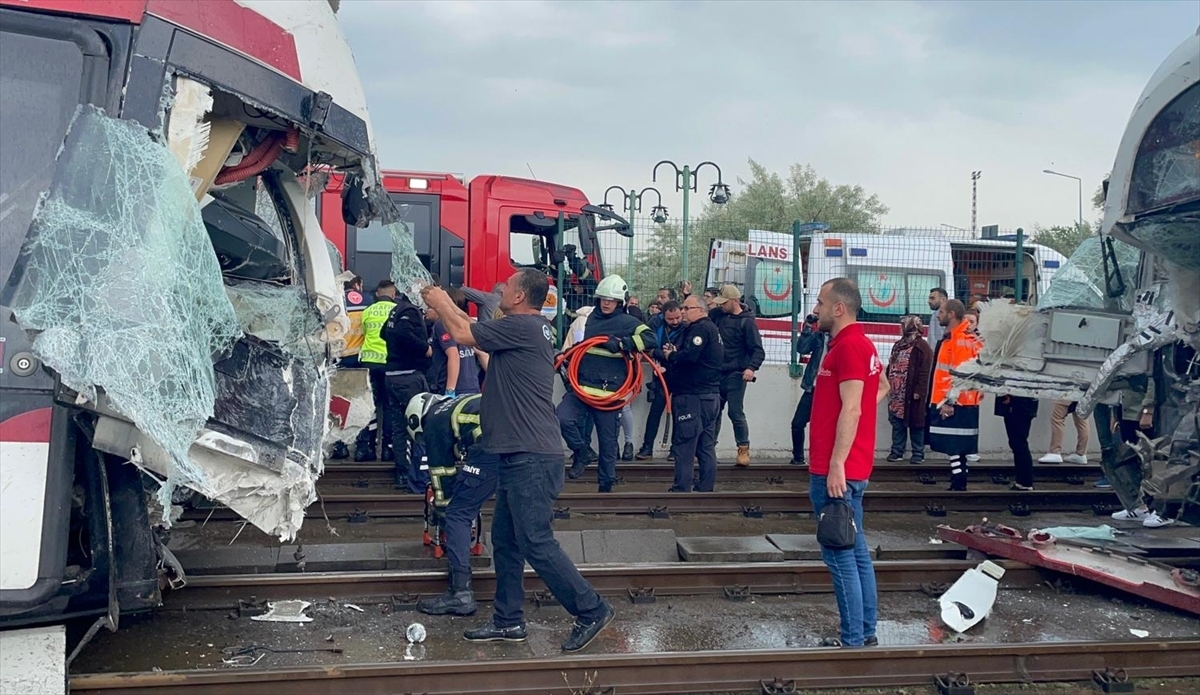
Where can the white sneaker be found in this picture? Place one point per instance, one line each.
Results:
(1076, 458)
(973, 458)
(1156, 521)
(1051, 458)
(1131, 514)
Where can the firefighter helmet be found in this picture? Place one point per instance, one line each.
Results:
(612, 287)
(418, 407)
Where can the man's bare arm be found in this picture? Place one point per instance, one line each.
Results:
(884, 389)
(847, 422)
(456, 321)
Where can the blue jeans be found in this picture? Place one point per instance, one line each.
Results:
(852, 571)
(529, 484)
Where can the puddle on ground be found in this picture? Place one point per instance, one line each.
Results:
(192, 640)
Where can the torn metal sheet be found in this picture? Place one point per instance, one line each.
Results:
(351, 405)
(120, 285)
(1150, 580)
(254, 479)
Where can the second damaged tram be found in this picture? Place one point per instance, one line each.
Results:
(169, 306)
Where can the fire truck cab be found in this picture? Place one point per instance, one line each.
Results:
(475, 233)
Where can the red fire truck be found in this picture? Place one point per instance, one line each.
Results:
(474, 233)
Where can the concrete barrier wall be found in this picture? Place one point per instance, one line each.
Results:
(771, 401)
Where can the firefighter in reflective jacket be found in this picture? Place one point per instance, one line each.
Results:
(373, 355)
(602, 370)
(462, 478)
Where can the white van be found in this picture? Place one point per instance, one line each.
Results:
(894, 272)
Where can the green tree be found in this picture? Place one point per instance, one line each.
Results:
(1061, 238)
(766, 201)
(771, 202)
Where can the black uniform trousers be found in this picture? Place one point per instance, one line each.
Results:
(474, 484)
(695, 438)
(800, 424)
(365, 441)
(400, 387)
(658, 405)
(571, 414)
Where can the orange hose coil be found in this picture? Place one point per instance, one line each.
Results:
(634, 376)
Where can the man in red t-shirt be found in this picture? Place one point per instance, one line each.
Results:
(846, 396)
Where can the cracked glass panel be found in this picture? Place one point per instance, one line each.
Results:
(280, 315)
(409, 274)
(121, 286)
(1167, 168)
(1079, 284)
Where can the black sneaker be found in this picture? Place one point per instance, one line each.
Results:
(894, 458)
(644, 455)
(579, 462)
(799, 462)
(871, 641)
(627, 452)
(605, 487)
(488, 632)
(582, 633)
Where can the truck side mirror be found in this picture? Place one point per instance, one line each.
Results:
(620, 224)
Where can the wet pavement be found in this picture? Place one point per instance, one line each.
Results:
(191, 640)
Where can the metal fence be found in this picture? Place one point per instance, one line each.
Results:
(895, 269)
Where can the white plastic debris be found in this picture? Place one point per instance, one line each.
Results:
(351, 606)
(285, 612)
(415, 633)
(971, 598)
(1139, 633)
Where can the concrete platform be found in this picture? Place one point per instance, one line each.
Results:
(796, 546)
(725, 549)
(657, 545)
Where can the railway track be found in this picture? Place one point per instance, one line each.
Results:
(211, 592)
(784, 670)
(935, 501)
(381, 474)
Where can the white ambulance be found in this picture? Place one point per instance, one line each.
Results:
(894, 272)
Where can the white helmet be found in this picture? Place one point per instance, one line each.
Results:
(418, 407)
(612, 287)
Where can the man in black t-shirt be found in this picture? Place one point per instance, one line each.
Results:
(522, 430)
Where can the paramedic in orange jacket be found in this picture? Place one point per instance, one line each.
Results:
(954, 421)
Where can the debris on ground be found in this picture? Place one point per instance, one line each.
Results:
(971, 598)
(285, 612)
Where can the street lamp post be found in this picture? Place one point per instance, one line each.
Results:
(633, 205)
(685, 180)
(1078, 181)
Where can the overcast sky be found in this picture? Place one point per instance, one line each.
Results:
(905, 99)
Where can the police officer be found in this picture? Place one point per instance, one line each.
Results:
(449, 428)
(694, 377)
(409, 355)
(602, 370)
(373, 355)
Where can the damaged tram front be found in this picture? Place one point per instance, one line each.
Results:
(1123, 314)
(169, 309)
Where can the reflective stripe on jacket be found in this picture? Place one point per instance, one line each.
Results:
(954, 350)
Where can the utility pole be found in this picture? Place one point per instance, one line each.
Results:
(974, 199)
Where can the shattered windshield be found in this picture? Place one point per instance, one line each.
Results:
(1079, 284)
(1167, 168)
(122, 286)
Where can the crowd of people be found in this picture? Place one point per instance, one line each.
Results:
(469, 400)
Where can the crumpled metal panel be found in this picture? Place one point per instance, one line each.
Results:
(121, 286)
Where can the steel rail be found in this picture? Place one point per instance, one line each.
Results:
(666, 579)
(681, 672)
(396, 504)
(383, 474)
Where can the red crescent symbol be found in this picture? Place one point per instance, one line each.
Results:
(776, 297)
(884, 305)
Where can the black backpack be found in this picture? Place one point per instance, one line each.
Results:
(836, 529)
